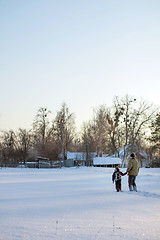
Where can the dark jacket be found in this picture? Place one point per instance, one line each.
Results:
(117, 175)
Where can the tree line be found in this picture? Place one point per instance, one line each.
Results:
(128, 122)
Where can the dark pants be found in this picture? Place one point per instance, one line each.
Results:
(131, 183)
(118, 185)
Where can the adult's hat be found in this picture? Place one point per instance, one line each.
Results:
(132, 155)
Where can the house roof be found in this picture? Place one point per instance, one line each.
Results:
(76, 155)
(127, 151)
(106, 160)
(79, 155)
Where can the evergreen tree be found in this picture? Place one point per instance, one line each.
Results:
(155, 135)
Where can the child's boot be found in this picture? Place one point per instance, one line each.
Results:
(130, 188)
(135, 188)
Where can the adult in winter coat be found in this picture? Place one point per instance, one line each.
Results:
(132, 170)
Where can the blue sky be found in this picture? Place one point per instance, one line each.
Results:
(82, 52)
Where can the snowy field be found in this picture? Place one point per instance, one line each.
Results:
(77, 204)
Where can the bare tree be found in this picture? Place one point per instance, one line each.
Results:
(135, 118)
(114, 132)
(154, 139)
(24, 142)
(88, 141)
(64, 129)
(125, 107)
(141, 120)
(100, 126)
(8, 145)
(42, 130)
(95, 131)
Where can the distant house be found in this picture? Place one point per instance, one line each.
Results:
(106, 161)
(56, 164)
(29, 165)
(78, 159)
(141, 156)
(40, 162)
(43, 162)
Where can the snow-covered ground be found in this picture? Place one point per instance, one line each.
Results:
(77, 204)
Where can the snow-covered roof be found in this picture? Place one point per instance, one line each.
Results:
(78, 155)
(144, 154)
(106, 160)
(127, 151)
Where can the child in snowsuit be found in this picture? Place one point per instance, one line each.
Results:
(117, 178)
